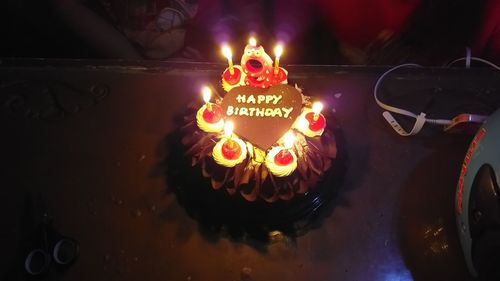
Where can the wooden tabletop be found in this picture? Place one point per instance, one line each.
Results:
(87, 138)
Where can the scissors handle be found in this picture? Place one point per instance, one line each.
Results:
(37, 262)
(53, 247)
(65, 251)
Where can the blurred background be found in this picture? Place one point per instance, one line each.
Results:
(362, 32)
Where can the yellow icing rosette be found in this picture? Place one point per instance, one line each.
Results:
(205, 126)
(219, 157)
(302, 125)
(280, 170)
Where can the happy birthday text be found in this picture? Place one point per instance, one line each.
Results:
(259, 111)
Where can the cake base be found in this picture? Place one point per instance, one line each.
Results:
(218, 211)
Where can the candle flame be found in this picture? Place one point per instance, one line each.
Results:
(302, 124)
(317, 107)
(278, 50)
(207, 94)
(252, 41)
(228, 129)
(226, 51)
(288, 140)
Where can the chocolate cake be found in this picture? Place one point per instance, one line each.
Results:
(262, 140)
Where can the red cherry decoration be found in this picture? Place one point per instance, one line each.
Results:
(256, 82)
(269, 80)
(232, 79)
(214, 115)
(318, 124)
(279, 77)
(283, 158)
(231, 150)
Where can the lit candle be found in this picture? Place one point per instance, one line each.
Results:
(315, 119)
(207, 94)
(278, 51)
(211, 113)
(281, 160)
(252, 42)
(302, 123)
(231, 149)
(226, 51)
(285, 157)
(228, 129)
(316, 108)
(288, 140)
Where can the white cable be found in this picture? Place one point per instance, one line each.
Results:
(420, 119)
(475, 59)
(468, 57)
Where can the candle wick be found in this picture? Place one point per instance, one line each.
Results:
(209, 106)
(315, 117)
(230, 143)
(283, 151)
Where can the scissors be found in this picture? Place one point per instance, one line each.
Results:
(53, 247)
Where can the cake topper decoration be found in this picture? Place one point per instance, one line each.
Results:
(256, 68)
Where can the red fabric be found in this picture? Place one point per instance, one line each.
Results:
(359, 22)
(487, 43)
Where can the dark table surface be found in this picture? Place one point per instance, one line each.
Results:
(87, 139)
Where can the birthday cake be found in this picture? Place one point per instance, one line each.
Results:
(261, 138)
